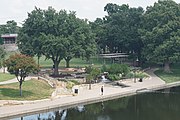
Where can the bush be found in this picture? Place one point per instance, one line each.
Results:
(116, 69)
(113, 77)
(69, 85)
(88, 69)
(130, 75)
(75, 82)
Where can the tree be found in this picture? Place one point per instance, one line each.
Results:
(122, 24)
(21, 66)
(118, 31)
(56, 35)
(2, 56)
(93, 74)
(53, 48)
(9, 28)
(161, 33)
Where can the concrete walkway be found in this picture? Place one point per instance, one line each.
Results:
(14, 80)
(85, 96)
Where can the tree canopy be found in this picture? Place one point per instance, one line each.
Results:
(21, 66)
(161, 33)
(58, 35)
(118, 31)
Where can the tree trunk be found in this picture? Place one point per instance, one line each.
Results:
(67, 63)
(89, 86)
(56, 64)
(167, 67)
(20, 87)
(38, 67)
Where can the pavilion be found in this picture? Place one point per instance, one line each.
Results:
(115, 57)
(9, 42)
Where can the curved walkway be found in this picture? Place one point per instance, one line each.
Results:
(85, 96)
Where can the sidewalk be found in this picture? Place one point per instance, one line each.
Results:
(85, 96)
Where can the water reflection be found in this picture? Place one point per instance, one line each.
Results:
(159, 105)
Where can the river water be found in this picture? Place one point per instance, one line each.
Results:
(154, 105)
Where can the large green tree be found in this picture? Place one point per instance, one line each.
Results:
(118, 31)
(9, 28)
(161, 33)
(2, 55)
(122, 24)
(56, 35)
(21, 66)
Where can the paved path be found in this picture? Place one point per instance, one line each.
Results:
(15, 80)
(85, 96)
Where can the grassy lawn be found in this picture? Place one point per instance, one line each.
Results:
(6, 76)
(169, 77)
(75, 62)
(31, 90)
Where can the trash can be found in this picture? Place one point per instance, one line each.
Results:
(76, 91)
(140, 80)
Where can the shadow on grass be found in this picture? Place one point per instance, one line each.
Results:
(14, 93)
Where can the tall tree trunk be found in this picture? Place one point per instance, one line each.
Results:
(56, 64)
(67, 63)
(38, 66)
(20, 87)
(167, 67)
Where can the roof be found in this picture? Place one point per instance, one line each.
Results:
(9, 35)
(114, 55)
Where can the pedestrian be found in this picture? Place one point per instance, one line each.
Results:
(102, 90)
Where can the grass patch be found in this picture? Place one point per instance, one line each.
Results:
(31, 90)
(169, 77)
(6, 76)
(75, 62)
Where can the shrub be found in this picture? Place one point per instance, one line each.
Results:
(88, 69)
(113, 77)
(130, 75)
(116, 69)
(69, 85)
(75, 82)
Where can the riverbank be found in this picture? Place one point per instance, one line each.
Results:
(84, 96)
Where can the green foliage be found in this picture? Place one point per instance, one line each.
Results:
(113, 77)
(104, 68)
(21, 65)
(117, 69)
(160, 32)
(88, 69)
(9, 28)
(118, 31)
(1, 41)
(70, 84)
(2, 56)
(57, 35)
(75, 82)
(93, 73)
(130, 75)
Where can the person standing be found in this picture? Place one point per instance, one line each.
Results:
(102, 90)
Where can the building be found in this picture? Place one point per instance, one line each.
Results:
(9, 42)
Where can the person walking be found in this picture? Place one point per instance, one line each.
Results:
(102, 90)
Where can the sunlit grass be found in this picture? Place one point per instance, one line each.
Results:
(169, 77)
(6, 76)
(31, 90)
